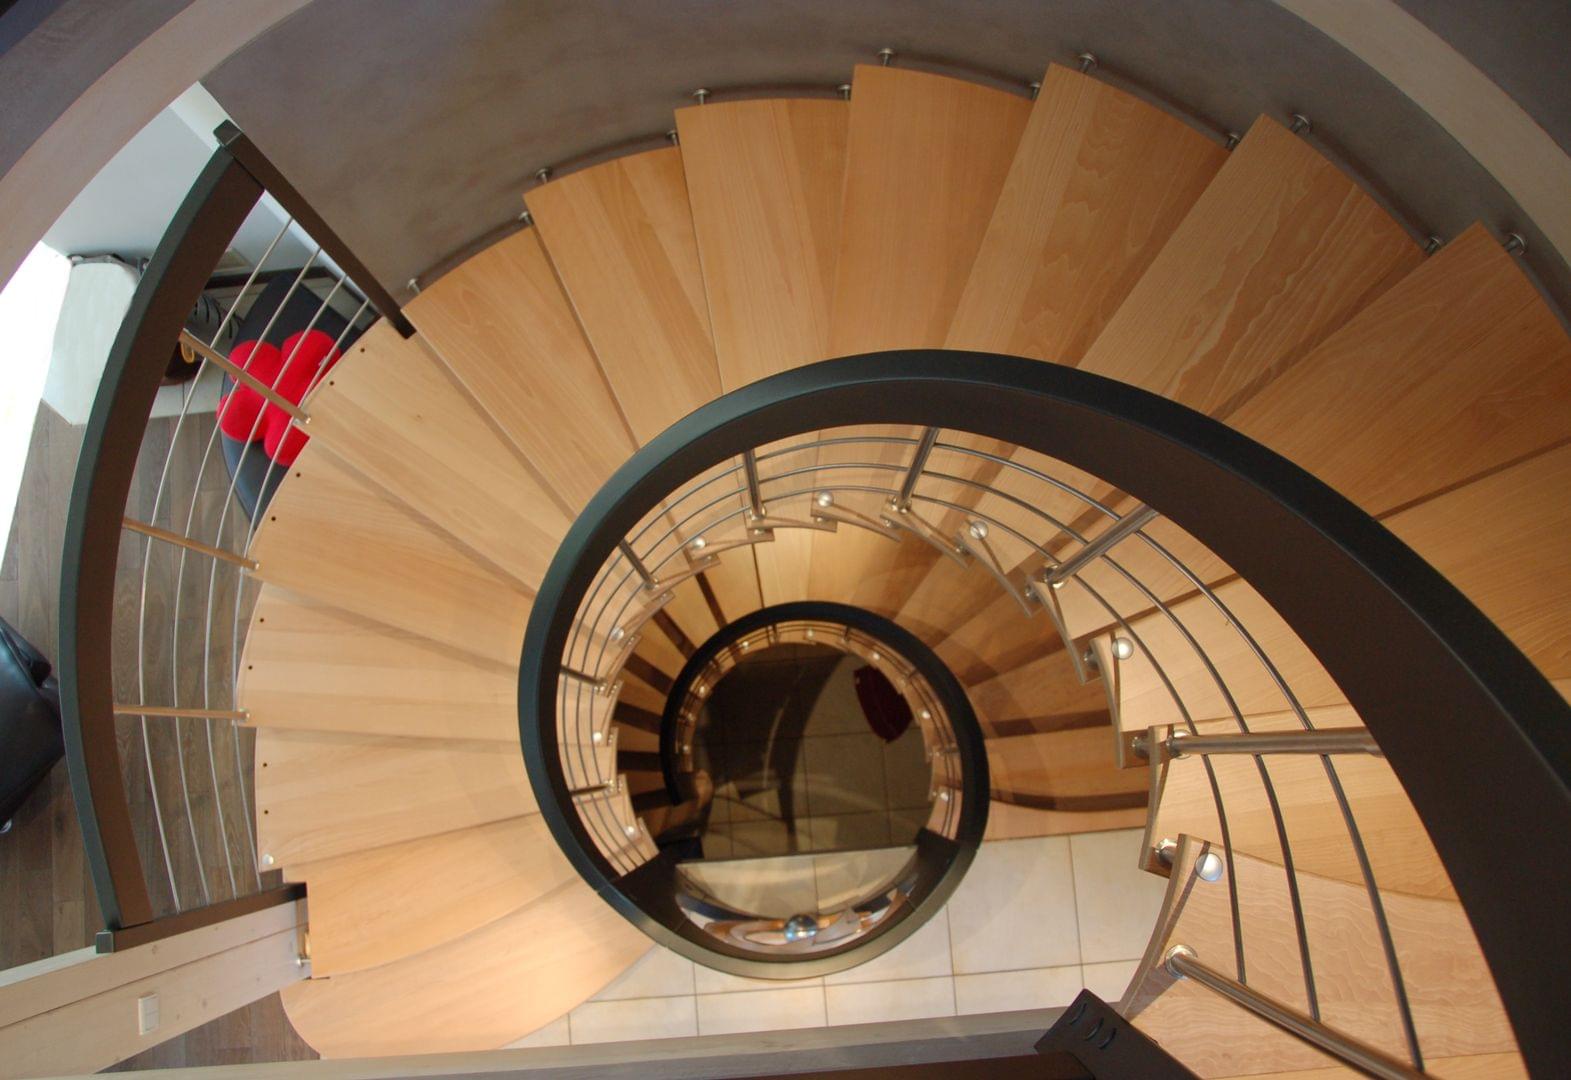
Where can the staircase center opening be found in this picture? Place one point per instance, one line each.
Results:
(810, 750)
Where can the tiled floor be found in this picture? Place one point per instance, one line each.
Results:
(805, 773)
(1033, 921)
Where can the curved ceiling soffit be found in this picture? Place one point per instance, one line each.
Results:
(452, 108)
(1484, 120)
(70, 130)
(495, 91)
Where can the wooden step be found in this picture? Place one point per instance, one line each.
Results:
(1046, 686)
(621, 238)
(1146, 698)
(507, 331)
(996, 640)
(857, 565)
(1280, 250)
(1099, 181)
(1458, 369)
(1455, 1008)
(1399, 848)
(1135, 576)
(1070, 770)
(1505, 541)
(926, 157)
(637, 740)
(392, 411)
(478, 992)
(320, 793)
(375, 907)
(691, 608)
(1006, 821)
(331, 535)
(656, 649)
(764, 180)
(308, 666)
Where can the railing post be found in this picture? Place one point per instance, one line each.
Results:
(195, 241)
(265, 173)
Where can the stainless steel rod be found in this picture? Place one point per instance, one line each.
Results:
(638, 565)
(914, 473)
(574, 673)
(1320, 741)
(181, 713)
(239, 374)
(1125, 526)
(755, 498)
(186, 542)
(1183, 963)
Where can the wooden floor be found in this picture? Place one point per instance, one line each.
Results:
(47, 905)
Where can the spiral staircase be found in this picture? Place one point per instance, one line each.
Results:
(1256, 283)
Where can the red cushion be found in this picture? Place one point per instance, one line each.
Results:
(243, 414)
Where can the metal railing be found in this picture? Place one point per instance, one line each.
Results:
(693, 531)
(795, 486)
(806, 450)
(156, 590)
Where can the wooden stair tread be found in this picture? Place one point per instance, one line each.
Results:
(1006, 821)
(1278, 252)
(1455, 1008)
(1098, 182)
(1072, 769)
(620, 235)
(332, 536)
(392, 411)
(504, 327)
(1400, 852)
(1160, 580)
(764, 180)
(374, 907)
(858, 567)
(1145, 699)
(313, 667)
(478, 992)
(1505, 541)
(637, 740)
(322, 793)
(1048, 685)
(1457, 369)
(926, 157)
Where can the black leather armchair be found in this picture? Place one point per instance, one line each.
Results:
(30, 741)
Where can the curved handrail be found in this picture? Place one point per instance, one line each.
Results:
(201, 231)
(1458, 711)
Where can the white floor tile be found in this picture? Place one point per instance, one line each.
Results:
(710, 981)
(661, 973)
(1109, 981)
(553, 1034)
(1118, 902)
(761, 1010)
(872, 1003)
(922, 955)
(638, 1018)
(1010, 991)
(1015, 909)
